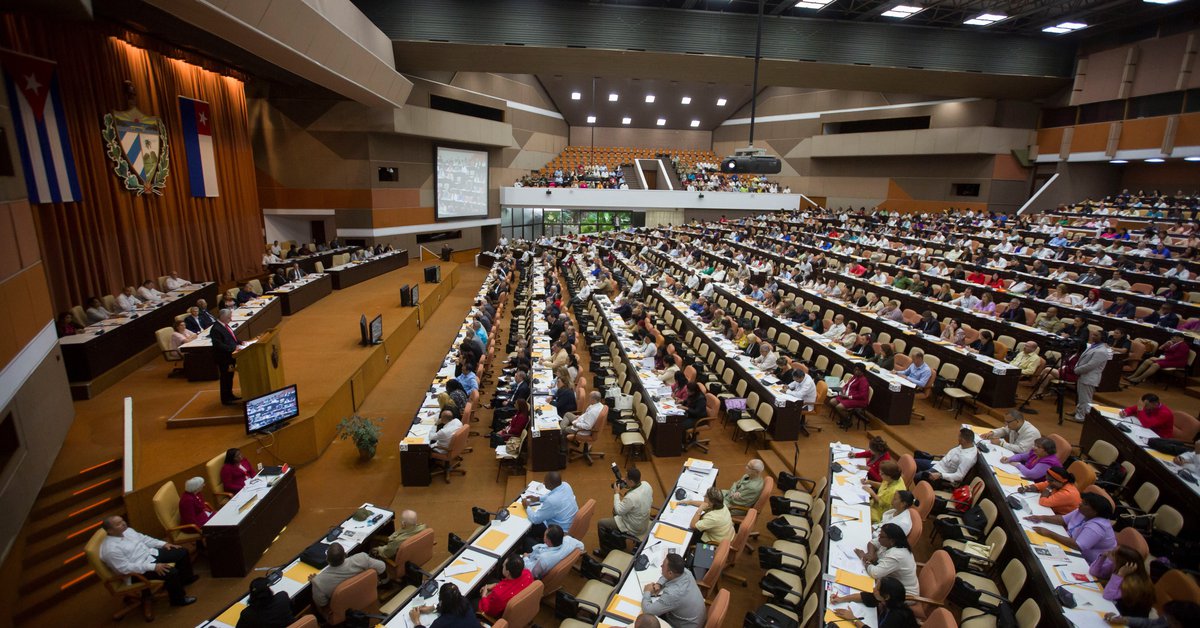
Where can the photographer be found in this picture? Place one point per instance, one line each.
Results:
(631, 504)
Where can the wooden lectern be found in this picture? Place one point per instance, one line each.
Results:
(260, 365)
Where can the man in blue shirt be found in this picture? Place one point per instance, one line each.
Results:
(469, 381)
(918, 372)
(480, 333)
(558, 507)
(555, 546)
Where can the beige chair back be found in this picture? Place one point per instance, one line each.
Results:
(583, 520)
(553, 580)
(716, 612)
(708, 584)
(523, 608)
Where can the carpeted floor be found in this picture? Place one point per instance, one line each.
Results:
(338, 482)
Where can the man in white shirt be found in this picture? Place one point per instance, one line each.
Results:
(766, 357)
(1017, 435)
(953, 466)
(128, 552)
(127, 301)
(838, 327)
(582, 423)
(443, 436)
(148, 293)
(175, 282)
(966, 299)
(804, 388)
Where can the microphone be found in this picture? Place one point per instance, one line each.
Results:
(835, 534)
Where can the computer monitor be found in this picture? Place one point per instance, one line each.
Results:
(416, 295)
(270, 411)
(433, 274)
(363, 332)
(377, 330)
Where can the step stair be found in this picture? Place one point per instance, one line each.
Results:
(66, 513)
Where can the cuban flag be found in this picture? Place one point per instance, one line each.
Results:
(41, 128)
(197, 144)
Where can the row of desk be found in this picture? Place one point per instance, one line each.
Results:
(297, 295)
(102, 346)
(1131, 438)
(352, 273)
(417, 445)
(309, 262)
(249, 321)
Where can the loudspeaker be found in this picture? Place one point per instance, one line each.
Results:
(433, 274)
(406, 299)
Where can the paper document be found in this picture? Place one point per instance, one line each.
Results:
(461, 567)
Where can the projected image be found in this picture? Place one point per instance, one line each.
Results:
(462, 180)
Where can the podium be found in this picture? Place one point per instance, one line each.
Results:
(260, 365)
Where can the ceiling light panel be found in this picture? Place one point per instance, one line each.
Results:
(902, 11)
(626, 120)
(612, 98)
(987, 19)
(662, 122)
(686, 100)
(1064, 27)
(813, 5)
(591, 119)
(576, 95)
(649, 97)
(721, 102)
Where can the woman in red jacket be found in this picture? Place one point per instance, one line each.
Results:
(855, 394)
(235, 471)
(516, 425)
(1174, 354)
(192, 507)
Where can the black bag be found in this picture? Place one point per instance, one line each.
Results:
(952, 529)
(314, 555)
(1113, 474)
(1169, 446)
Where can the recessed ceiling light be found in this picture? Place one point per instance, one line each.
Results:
(649, 97)
(576, 95)
(987, 19)
(612, 98)
(662, 122)
(1161, 1)
(591, 119)
(1191, 158)
(902, 11)
(626, 120)
(1119, 161)
(1155, 160)
(1064, 27)
(695, 123)
(815, 5)
(721, 102)
(686, 100)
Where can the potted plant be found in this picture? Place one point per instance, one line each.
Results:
(363, 431)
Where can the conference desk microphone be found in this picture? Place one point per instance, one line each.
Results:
(835, 534)
(274, 574)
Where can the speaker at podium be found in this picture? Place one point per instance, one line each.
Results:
(260, 365)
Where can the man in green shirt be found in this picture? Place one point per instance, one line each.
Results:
(901, 282)
(745, 492)
(406, 527)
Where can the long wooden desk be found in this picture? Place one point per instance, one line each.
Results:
(294, 574)
(104, 345)
(1048, 564)
(297, 295)
(1159, 469)
(249, 321)
(482, 555)
(239, 533)
(309, 262)
(353, 273)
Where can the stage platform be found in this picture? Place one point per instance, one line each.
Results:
(321, 354)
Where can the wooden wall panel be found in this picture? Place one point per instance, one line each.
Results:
(1049, 141)
(1090, 138)
(1188, 133)
(1142, 133)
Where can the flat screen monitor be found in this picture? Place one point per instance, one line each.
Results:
(268, 412)
(416, 295)
(377, 329)
(363, 332)
(462, 183)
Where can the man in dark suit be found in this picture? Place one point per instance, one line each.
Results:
(199, 318)
(505, 402)
(1014, 312)
(295, 272)
(224, 343)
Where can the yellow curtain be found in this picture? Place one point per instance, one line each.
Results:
(112, 237)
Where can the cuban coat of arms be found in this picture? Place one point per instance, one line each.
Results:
(137, 145)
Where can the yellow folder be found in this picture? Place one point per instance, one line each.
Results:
(518, 509)
(1160, 455)
(491, 539)
(670, 534)
(861, 582)
(1038, 539)
(232, 614)
(300, 572)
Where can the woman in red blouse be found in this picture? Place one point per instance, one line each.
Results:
(192, 507)
(236, 471)
(1174, 354)
(855, 394)
(516, 425)
(876, 454)
(496, 596)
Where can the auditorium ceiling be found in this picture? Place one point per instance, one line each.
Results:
(679, 104)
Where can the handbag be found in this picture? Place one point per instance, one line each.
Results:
(314, 555)
(512, 446)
